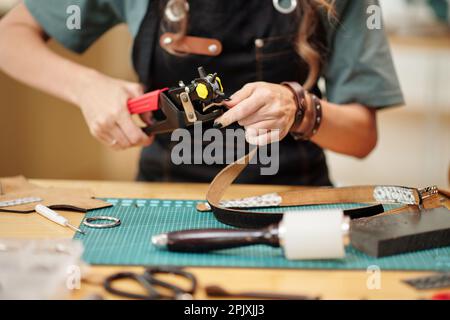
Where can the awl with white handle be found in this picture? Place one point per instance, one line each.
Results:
(55, 217)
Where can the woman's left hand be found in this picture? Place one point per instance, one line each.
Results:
(266, 111)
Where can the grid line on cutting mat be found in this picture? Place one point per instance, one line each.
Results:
(129, 244)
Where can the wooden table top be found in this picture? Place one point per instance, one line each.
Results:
(328, 284)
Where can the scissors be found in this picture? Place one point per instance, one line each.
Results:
(152, 285)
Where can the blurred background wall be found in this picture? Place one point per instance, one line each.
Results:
(414, 144)
(42, 137)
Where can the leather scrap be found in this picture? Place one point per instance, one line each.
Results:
(373, 196)
(79, 200)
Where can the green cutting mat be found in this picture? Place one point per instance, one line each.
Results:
(129, 244)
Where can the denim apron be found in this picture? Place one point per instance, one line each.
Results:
(258, 45)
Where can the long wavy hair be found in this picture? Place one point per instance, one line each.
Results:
(310, 12)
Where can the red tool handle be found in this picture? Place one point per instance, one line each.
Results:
(442, 296)
(146, 103)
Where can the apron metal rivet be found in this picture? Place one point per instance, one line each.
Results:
(167, 40)
(259, 43)
(212, 48)
(285, 6)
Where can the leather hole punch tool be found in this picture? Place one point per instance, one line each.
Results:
(183, 106)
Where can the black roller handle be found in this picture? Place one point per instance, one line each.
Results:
(206, 240)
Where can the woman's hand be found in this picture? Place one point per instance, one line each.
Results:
(266, 111)
(103, 101)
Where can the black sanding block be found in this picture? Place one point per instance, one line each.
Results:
(401, 233)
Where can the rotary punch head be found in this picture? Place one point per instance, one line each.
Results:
(202, 100)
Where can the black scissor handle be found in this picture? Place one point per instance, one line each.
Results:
(149, 282)
(140, 279)
(151, 272)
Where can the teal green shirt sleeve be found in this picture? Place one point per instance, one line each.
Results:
(359, 68)
(96, 17)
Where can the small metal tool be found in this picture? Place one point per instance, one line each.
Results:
(55, 217)
(18, 202)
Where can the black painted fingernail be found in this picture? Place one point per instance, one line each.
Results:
(217, 125)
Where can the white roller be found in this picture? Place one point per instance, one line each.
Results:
(313, 235)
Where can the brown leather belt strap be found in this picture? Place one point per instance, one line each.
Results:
(191, 45)
(231, 212)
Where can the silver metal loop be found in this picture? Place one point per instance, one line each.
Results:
(176, 10)
(115, 222)
(285, 6)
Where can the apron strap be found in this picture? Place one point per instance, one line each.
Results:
(144, 45)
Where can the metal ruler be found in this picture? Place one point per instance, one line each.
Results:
(18, 202)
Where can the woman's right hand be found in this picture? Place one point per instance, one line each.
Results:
(103, 102)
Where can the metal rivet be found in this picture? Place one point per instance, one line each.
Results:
(212, 48)
(285, 7)
(259, 43)
(167, 40)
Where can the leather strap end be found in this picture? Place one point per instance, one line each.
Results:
(300, 99)
(298, 91)
(191, 45)
(203, 207)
